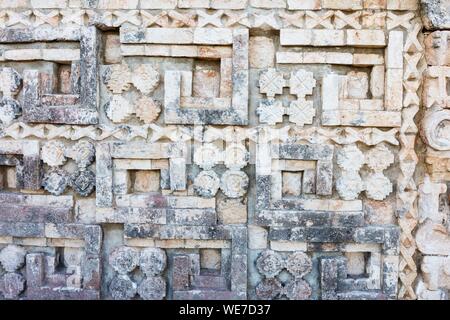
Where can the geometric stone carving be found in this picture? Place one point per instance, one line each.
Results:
(83, 182)
(10, 83)
(145, 78)
(118, 78)
(56, 181)
(147, 109)
(206, 184)
(118, 109)
(300, 111)
(124, 259)
(12, 258)
(428, 203)
(78, 107)
(350, 159)
(29, 150)
(190, 283)
(83, 153)
(435, 129)
(53, 153)
(231, 105)
(36, 263)
(303, 113)
(234, 183)
(271, 263)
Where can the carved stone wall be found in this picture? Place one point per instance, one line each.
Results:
(224, 149)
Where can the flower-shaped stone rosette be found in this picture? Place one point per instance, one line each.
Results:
(151, 261)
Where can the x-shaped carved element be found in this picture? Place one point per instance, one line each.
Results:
(411, 96)
(412, 43)
(46, 18)
(73, 16)
(411, 68)
(161, 19)
(442, 74)
(181, 20)
(268, 19)
(295, 19)
(214, 19)
(105, 17)
(131, 16)
(313, 20)
(403, 20)
(18, 18)
(341, 19)
(237, 18)
(407, 162)
(174, 133)
(408, 114)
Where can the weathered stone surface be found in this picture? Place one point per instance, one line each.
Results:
(152, 261)
(435, 14)
(12, 258)
(124, 259)
(152, 288)
(122, 288)
(205, 149)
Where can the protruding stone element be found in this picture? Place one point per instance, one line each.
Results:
(301, 112)
(83, 182)
(428, 203)
(234, 183)
(349, 185)
(302, 83)
(118, 109)
(145, 78)
(269, 263)
(10, 109)
(236, 156)
(350, 158)
(435, 128)
(436, 272)
(118, 79)
(433, 239)
(377, 186)
(379, 158)
(269, 289)
(10, 82)
(437, 48)
(298, 264)
(122, 287)
(56, 181)
(52, 153)
(207, 156)
(297, 289)
(12, 285)
(152, 288)
(436, 14)
(83, 152)
(152, 261)
(206, 184)
(12, 258)
(270, 111)
(124, 259)
(147, 109)
(271, 82)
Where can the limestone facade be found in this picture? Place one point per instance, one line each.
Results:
(224, 149)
